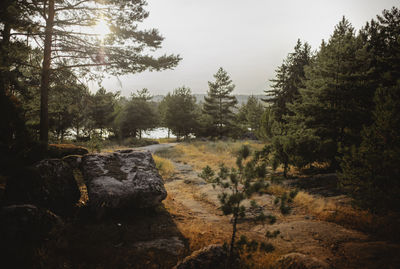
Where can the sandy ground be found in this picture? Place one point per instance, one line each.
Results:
(189, 219)
(193, 205)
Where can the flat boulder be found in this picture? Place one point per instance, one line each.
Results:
(122, 179)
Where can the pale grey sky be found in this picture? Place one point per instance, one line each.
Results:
(248, 38)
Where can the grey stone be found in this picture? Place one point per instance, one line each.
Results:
(123, 179)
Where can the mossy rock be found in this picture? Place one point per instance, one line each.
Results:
(62, 150)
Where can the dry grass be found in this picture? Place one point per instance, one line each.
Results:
(346, 215)
(201, 154)
(332, 210)
(260, 259)
(165, 167)
(314, 205)
(82, 188)
(277, 189)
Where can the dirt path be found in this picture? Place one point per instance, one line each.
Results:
(157, 147)
(194, 206)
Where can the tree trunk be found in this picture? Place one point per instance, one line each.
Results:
(4, 60)
(285, 169)
(231, 248)
(45, 82)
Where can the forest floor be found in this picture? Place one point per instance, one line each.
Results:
(321, 224)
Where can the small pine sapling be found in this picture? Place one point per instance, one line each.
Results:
(238, 185)
(286, 200)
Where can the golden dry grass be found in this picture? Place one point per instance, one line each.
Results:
(277, 189)
(165, 167)
(342, 214)
(201, 154)
(260, 259)
(328, 209)
(82, 187)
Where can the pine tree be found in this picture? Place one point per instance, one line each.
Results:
(101, 108)
(237, 186)
(138, 115)
(219, 103)
(330, 107)
(371, 172)
(250, 114)
(285, 91)
(64, 30)
(180, 112)
(289, 79)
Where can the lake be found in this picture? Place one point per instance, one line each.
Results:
(157, 133)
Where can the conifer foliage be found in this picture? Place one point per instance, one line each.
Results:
(180, 114)
(340, 108)
(237, 186)
(219, 103)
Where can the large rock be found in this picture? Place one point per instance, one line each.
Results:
(123, 179)
(23, 228)
(49, 183)
(210, 257)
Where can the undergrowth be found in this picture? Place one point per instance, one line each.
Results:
(164, 166)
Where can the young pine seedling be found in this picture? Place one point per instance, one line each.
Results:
(238, 185)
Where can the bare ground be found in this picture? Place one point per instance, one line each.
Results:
(189, 219)
(193, 205)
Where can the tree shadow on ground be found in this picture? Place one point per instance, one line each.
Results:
(325, 185)
(121, 239)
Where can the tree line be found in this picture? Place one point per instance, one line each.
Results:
(76, 113)
(339, 107)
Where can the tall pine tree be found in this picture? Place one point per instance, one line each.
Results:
(330, 108)
(219, 103)
(289, 79)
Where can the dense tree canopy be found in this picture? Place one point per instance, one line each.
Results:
(137, 115)
(348, 88)
(64, 30)
(180, 112)
(250, 114)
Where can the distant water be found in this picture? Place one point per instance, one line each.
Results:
(157, 133)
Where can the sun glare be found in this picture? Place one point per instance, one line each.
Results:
(101, 29)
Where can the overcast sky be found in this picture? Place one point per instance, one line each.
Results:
(249, 39)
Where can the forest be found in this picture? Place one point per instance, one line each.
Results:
(333, 110)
